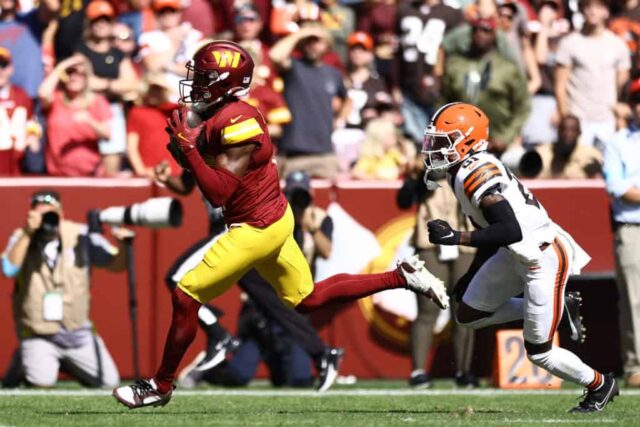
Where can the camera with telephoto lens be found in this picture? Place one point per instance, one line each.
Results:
(157, 212)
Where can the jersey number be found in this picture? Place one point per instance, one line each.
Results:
(529, 198)
(421, 37)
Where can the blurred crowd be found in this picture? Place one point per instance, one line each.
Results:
(346, 87)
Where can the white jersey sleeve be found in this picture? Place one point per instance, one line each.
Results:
(483, 173)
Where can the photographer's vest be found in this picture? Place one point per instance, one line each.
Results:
(440, 204)
(70, 276)
(315, 216)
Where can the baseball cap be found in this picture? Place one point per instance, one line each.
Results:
(5, 55)
(247, 10)
(298, 182)
(488, 23)
(158, 5)
(98, 9)
(360, 38)
(49, 197)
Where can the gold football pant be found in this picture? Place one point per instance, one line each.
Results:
(272, 251)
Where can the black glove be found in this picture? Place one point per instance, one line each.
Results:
(441, 233)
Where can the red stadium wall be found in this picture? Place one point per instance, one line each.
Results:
(372, 351)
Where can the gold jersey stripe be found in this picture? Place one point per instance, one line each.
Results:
(241, 132)
(279, 115)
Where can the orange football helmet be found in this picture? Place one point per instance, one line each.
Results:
(457, 131)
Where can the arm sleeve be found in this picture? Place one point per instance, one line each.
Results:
(503, 228)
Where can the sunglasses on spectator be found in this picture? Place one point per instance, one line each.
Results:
(167, 10)
(46, 199)
(4, 64)
(506, 16)
(241, 19)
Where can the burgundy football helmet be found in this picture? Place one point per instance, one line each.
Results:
(218, 69)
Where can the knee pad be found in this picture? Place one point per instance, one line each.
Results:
(539, 353)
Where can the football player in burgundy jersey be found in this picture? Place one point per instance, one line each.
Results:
(225, 144)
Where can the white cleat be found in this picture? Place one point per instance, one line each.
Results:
(142, 393)
(422, 281)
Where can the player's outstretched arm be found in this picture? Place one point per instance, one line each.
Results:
(503, 228)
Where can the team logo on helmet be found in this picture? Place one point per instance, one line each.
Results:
(226, 58)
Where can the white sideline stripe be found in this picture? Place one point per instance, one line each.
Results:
(310, 393)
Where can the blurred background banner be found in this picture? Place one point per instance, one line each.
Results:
(374, 336)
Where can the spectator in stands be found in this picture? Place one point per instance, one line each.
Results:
(622, 175)
(493, 82)
(422, 26)
(263, 96)
(19, 133)
(146, 137)
(77, 119)
(587, 81)
(168, 48)
(247, 28)
(365, 88)
(548, 30)
(316, 96)
(21, 33)
(113, 77)
(124, 39)
(50, 257)
(567, 158)
(626, 24)
(69, 27)
(339, 21)
(384, 154)
(512, 21)
(378, 18)
(447, 264)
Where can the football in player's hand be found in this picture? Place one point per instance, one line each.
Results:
(193, 119)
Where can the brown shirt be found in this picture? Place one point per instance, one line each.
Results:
(584, 162)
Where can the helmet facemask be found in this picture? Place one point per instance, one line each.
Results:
(439, 148)
(206, 88)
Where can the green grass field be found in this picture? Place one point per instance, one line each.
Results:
(365, 404)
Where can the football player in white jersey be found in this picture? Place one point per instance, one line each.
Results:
(525, 252)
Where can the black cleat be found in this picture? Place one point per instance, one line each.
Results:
(420, 380)
(571, 318)
(596, 400)
(217, 352)
(329, 366)
(467, 381)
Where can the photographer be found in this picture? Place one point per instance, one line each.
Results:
(312, 232)
(50, 258)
